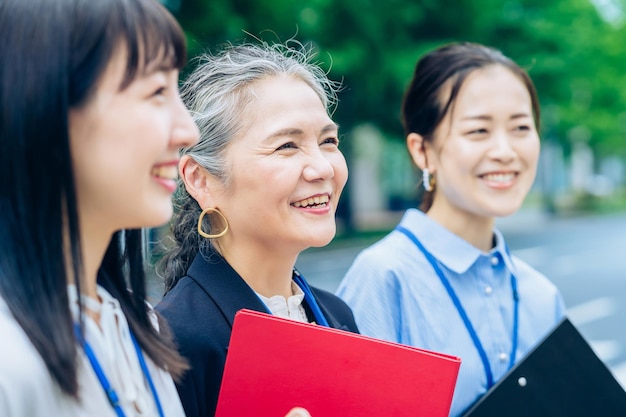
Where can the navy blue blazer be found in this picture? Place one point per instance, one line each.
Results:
(200, 310)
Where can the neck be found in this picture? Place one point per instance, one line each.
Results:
(476, 230)
(266, 270)
(93, 246)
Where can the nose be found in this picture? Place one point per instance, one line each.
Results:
(318, 167)
(502, 148)
(185, 131)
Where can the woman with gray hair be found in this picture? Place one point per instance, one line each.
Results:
(261, 186)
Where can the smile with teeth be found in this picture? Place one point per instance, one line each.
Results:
(169, 172)
(500, 177)
(317, 201)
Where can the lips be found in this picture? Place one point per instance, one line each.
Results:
(316, 201)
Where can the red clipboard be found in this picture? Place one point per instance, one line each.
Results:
(275, 364)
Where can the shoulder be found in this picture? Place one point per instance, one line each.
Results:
(183, 299)
(529, 276)
(192, 316)
(536, 290)
(336, 307)
(384, 269)
(329, 299)
(26, 387)
(19, 356)
(390, 256)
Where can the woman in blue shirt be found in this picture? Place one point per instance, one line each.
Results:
(444, 279)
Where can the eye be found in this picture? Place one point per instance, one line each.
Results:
(475, 132)
(288, 145)
(159, 91)
(522, 128)
(331, 141)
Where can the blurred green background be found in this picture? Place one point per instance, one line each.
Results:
(574, 50)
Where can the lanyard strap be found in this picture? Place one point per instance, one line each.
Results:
(468, 324)
(106, 386)
(310, 299)
(146, 373)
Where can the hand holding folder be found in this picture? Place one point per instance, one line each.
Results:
(275, 364)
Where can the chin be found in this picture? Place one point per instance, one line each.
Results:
(158, 219)
(505, 206)
(506, 211)
(321, 239)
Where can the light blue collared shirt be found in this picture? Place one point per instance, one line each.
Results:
(396, 295)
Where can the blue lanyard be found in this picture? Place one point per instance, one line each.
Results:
(468, 324)
(106, 386)
(309, 298)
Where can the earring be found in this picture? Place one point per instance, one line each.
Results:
(214, 236)
(428, 180)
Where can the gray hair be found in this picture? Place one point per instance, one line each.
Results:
(217, 93)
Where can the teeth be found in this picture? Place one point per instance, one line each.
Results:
(168, 172)
(312, 201)
(500, 177)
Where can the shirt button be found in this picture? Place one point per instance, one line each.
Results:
(488, 290)
(494, 260)
(503, 357)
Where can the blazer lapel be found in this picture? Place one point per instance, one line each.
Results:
(332, 321)
(223, 285)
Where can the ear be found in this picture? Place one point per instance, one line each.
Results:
(418, 149)
(198, 182)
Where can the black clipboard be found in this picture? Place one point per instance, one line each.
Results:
(561, 376)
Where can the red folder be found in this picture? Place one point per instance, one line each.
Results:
(275, 364)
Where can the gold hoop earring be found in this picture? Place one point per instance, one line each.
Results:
(205, 234)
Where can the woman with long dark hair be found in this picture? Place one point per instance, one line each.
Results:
(90, 128)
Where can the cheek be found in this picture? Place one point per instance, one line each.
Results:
(458, 161)
(340, 168)
(528, 152)
(534, 152)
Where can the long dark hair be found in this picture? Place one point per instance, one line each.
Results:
(424, 105)
(53, 54)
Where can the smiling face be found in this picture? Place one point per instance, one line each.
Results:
(287, 172)
(125, 146)
(485, 151)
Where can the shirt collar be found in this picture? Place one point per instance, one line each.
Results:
(452, 251)
(294, 300)
(503, 250)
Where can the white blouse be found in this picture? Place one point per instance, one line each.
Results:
(28, 390)
(289, 308)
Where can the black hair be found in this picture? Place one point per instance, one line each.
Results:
(424, 105)
(53, 54)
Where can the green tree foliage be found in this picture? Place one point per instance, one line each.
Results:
(576, 58)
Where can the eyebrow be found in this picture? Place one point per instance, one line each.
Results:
(488, 118)
(290, 131)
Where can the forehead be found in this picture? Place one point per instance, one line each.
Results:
(124, 68)
(268, 91)
(494, 88)
(283, 101)
(113, 75)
